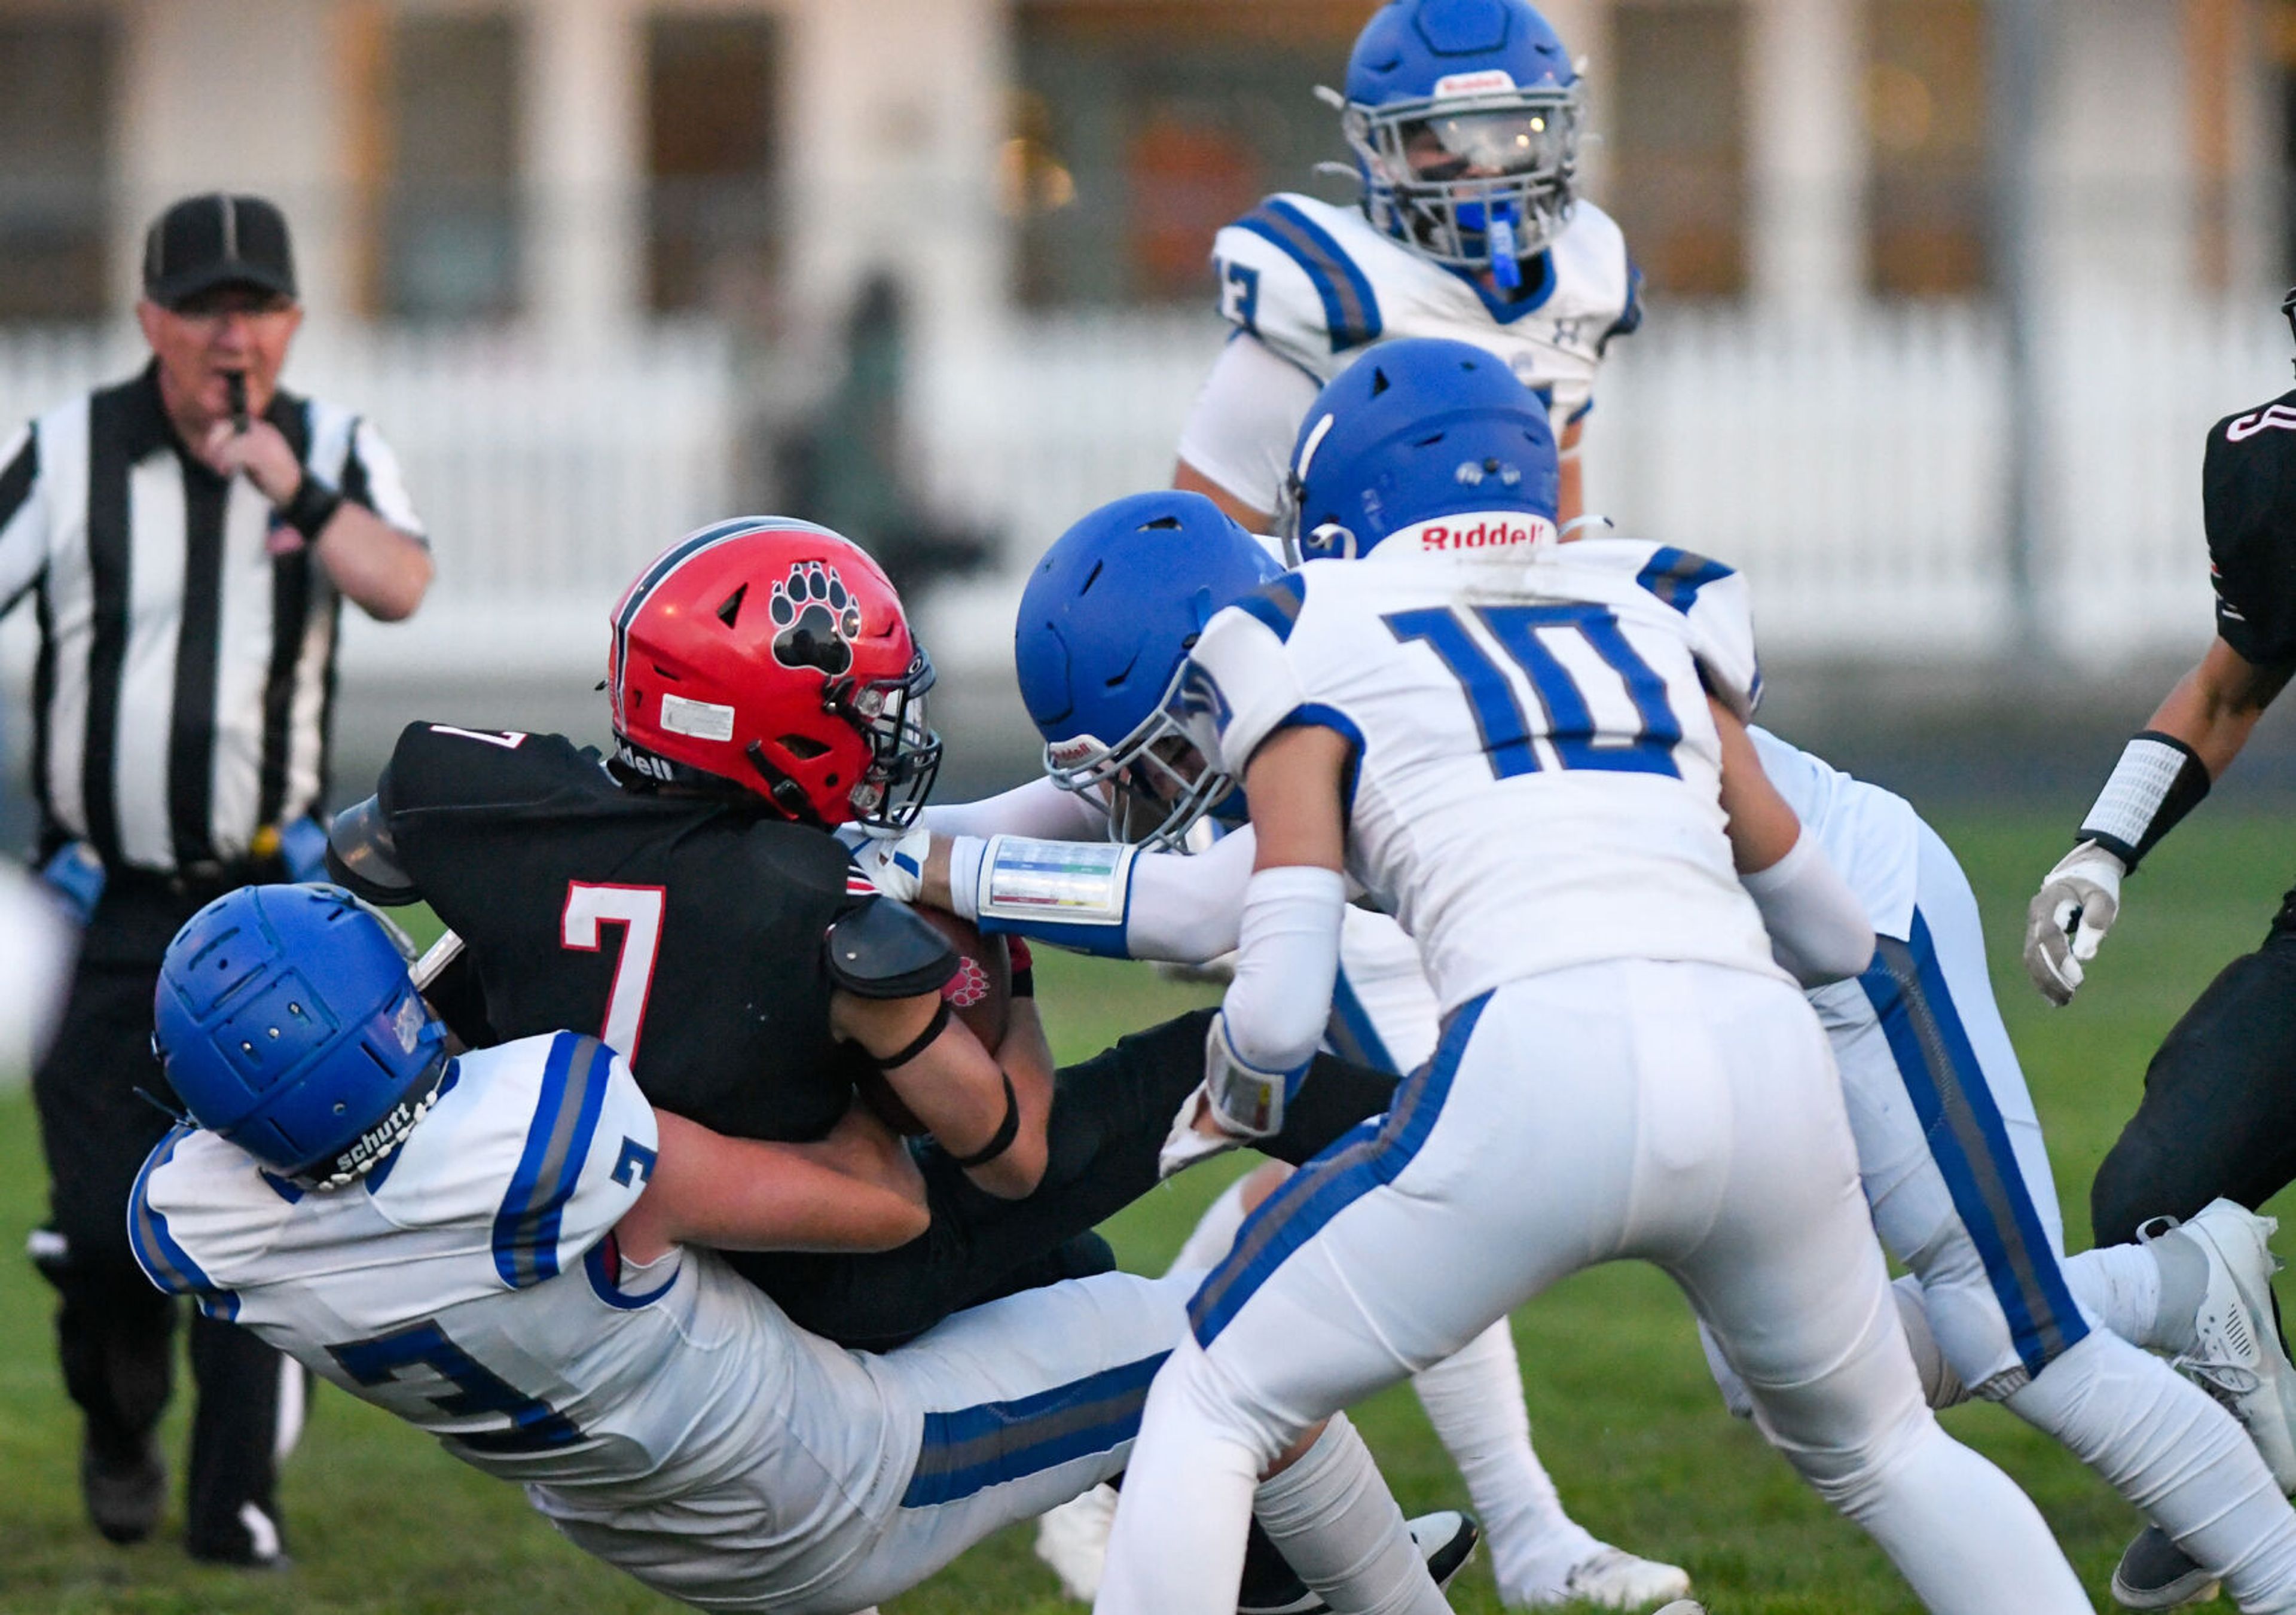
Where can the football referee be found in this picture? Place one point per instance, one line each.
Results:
(187, 537)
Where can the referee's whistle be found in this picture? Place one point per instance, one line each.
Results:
(234, 383)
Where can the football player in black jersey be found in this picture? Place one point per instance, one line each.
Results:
(765, 688)
(2218, 1115)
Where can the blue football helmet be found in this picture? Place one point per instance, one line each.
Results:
(1106, 621)
(1418, 429)
(287, 1024)
(1463, 116)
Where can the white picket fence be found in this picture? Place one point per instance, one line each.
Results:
(1853, 465)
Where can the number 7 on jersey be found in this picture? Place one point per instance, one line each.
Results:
(637, 909)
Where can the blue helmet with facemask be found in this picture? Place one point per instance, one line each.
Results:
(1106, 621)
(1463, 116)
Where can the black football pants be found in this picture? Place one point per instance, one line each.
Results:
(1109, 1118)
(115, 1333)
(2218, 1116)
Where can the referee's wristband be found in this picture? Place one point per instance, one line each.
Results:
(314, 506)
(2157, 782)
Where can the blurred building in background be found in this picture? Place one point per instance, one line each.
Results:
(598, 263)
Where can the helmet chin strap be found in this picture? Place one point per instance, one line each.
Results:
(782, 790)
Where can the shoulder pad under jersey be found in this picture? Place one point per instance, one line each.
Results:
(1714, 599)
(362, 856)
(882, 949)
(1287, 278)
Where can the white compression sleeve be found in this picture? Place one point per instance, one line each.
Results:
(1288, 956)
(1187, 908)
(1818, 929)
(1239, 433)
(1039, 808)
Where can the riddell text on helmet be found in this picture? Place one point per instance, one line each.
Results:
(1481, 535)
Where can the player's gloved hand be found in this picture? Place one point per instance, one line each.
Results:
(895, 863)
(1235, 1103)
(2068, 916)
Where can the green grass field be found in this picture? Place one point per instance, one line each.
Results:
(381, 1520)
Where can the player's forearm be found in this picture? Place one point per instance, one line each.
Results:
(954, 1088)
(1570, 487)
(743, 1194)
(2214, 707)
(1038, 808)
(373, 564)
(1188, 480)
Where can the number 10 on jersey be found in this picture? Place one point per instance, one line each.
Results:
(1580, 740)
(637, 909)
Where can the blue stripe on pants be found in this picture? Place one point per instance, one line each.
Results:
(977, 1448)
(1970, 1143)
(1368, 1156)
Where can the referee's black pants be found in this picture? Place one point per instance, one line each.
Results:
(1109, 1118)
(115, 1331)
(2218, 1116)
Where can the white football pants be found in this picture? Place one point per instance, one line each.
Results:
(1958, 1178)
(1685, 1114)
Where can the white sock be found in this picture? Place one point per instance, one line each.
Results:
(2119, 1286)
(1215, 1231)
(2164, 1444)
(1339, 1528)
(1473, 1399)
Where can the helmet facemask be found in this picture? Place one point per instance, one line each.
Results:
(1477, 182)
(904, 750)
(1152, 785)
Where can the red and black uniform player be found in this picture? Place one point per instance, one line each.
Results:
(2218, 1115)
(676, 899)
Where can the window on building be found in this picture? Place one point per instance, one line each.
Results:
(55, 166)
(1925, 121)
(1676, 142)
(1142, 125)
(712, 155)
(448, 244)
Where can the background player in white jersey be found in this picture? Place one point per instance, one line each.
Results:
(1104, 626)
(1948, 1143)
(1463, 117)
(494, 1247)
(1623, 1070)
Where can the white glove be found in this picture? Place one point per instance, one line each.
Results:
(1239, 1101)
(2067, 918)
(896, 865)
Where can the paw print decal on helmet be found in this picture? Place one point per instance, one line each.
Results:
(816, 619)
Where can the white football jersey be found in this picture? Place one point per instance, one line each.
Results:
(1536, 781)
(1318, 284)
(1872, 836)
(468, 1286)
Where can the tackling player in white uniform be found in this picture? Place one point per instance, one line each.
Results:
(1623, 1070)
(1463, 116)
(1104, 623)
(494, 1249)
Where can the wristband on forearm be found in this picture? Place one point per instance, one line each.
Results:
(314, 506)
(2157, 782)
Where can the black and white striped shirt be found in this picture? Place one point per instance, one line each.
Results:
(185, 677)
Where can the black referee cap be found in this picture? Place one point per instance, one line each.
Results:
(205, 242)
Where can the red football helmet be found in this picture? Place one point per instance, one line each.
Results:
(774, 653)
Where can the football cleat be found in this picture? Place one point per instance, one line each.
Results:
(1072, 1539)
(1684, 1606)
(124, 1491)
(1612, 1579)
(2236, 1354)
(1446, 1541)
(2154, 1574)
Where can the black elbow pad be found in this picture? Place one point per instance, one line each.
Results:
(883, 949)
(362, 856)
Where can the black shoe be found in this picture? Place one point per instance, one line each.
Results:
(251, 1542)
(125, 1491)
(2154, 1574)
(1446, 1541)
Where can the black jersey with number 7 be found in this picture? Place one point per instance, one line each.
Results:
(686, 934)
